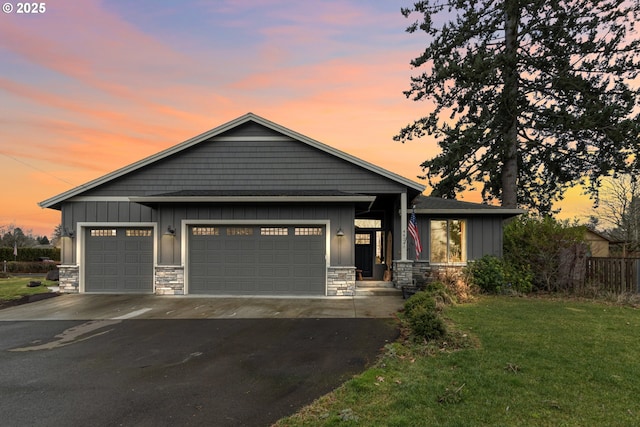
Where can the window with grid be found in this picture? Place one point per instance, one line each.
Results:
(363, 238)
(205, 231)
(274, 231)
(448, 241)
(308, 231)
(101, 232)
(239, 231)
(133, 232)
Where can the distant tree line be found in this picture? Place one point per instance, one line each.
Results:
(13, 236)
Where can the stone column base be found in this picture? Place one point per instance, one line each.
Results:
(169, 280)
(402, 273)
(341, 281)
(69, 279)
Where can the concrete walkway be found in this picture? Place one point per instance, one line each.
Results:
(96, 307)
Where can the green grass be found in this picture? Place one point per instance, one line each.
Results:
(16, 287)
(527, 362)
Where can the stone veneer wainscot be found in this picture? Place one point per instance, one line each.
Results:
(69, 279)
(169, 280)
(341, 281)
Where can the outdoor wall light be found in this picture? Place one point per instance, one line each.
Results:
(170, 231)
(67, 233)
(340, 233)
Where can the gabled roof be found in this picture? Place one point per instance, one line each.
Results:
(603, 236)
(249, 117)
(436, 205)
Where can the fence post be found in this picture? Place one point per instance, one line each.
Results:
(638, 275)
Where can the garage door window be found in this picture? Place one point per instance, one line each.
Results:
(274, 231)
(138, 233)
(206, 231)
(103, 233)
(308, 231)
(239, 231)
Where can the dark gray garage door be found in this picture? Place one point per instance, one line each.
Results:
(257, 260)
(119, 260)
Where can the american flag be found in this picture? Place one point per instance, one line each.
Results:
(413, 230)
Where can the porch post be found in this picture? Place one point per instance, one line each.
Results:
(403, 226)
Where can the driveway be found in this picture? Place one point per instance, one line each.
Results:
(93, 306)
(108, 360)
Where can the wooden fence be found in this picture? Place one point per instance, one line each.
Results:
(619, 275)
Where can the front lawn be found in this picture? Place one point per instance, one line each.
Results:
(526, 361)
(14, 288)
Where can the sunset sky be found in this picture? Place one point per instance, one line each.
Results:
(90, 86)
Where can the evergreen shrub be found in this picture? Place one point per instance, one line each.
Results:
(423, 317)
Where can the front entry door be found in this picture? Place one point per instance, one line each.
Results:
(365, 242)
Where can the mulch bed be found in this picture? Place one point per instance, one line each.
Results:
(27, 299)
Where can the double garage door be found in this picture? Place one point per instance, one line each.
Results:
(257, 260)
(118, 260)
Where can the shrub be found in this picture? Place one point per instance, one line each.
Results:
(29, 267)
(454, 282)
(518, 278)
(495, 275)
(423, 317)
(487, 273)
(29, 254)
(420, 299)
(540, 246)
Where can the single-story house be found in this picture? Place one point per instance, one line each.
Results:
(253, 208)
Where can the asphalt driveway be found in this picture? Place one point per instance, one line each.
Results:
(135, 364)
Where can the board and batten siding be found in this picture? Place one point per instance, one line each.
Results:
(102, 212)
(169, 253)
(340, 216)
(248, 165)
(484, 235)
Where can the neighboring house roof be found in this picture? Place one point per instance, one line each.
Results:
(602, 235)
(54, 202)
(436, 205)
(598, 234)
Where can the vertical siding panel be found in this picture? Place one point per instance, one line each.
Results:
(91, 211)
(101, 211)
(135, 211)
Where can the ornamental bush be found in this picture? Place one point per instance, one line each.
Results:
(487, 273)
(28, 267)
(495, 275)
(422, 315)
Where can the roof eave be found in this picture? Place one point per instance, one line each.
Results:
(497, 211)
(249, 199)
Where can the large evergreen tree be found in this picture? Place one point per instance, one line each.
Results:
(527, 97)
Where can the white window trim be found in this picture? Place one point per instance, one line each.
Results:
(450, 264)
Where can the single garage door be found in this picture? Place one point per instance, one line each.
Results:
(257, 260)
(118, 260)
